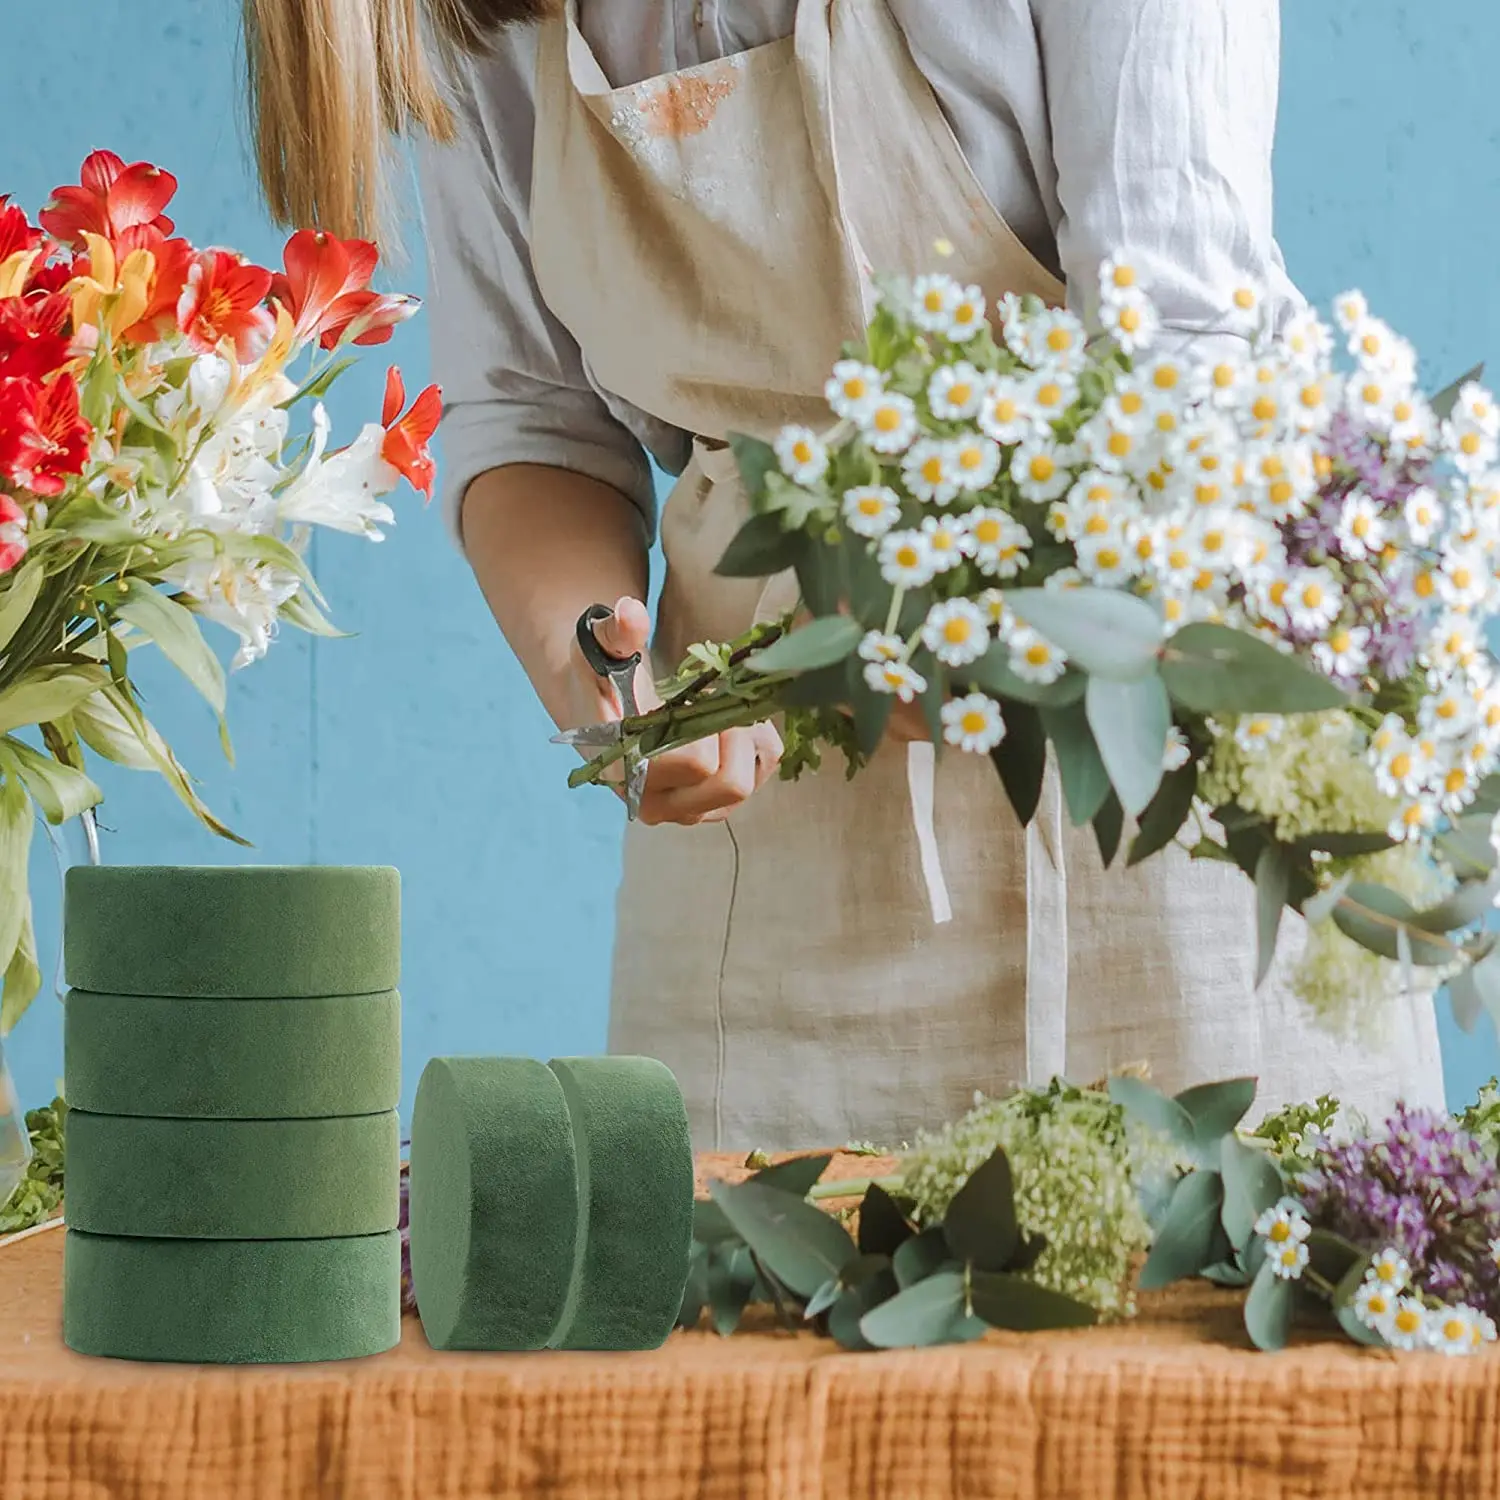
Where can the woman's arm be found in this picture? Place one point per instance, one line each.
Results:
(1163, 118)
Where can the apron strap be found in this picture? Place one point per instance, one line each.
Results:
(921, 786)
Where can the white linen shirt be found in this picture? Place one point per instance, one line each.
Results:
(1095, 126)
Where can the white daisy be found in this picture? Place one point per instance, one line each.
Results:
(1177, 753)
(1033, 658)
(895, 677)
(1056, 341)
(1313, 599)
(1413, 820)
(975, 460)
(1350, 309)
(973, 723)
(1374, 1305)
(1464, 578)
(1255, 731)
(870, 510)
(1039, 471)
(998, 543)
(1117, 279)
(1106, 559)
(967, 316)
(1132, 321)
(1050, 394)
(878, 646)
(1128, 406)
(1167, 379)
(1221, 383)
(1245, 310)
(928, 471)
(944, 536)
(852, 386)
(1344, 653)
(1476, 405)
(956, 632)
(1006, 411)
(1447, 711)
(933, 299)
(906, 560)
(802, 454)
(1473, 448)
(1288, 1261)
(1114, 447)
(1371, 397)
(1281, 477)
(1454, 1330)
(1406, 1328)
(1312, 402)
(955, 391)
(1423, 514)
(1308, 339)
(1413, 424)
(996, 610)
(1361, 528)
(888, 422)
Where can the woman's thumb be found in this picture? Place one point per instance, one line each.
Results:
(627, 631)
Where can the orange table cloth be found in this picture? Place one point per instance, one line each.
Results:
(1174, 1406)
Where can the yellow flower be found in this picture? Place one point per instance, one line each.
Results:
(112, 297)
(266, 372)
(15, 270)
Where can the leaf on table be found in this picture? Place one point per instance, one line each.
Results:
(730, 1277)
(1130, 721)
(800, 1245)
(1189, 1236)
(980, 1222)
(1213, 669)
(933, 1311)
(797, 1176)
(845, 1316)
(1216, 1109)
(883, 1228)
(1107, 632)
(1022, 1306)
(921, 1256)
(709, 1224)
(1269, 1309)
(1252, 1184)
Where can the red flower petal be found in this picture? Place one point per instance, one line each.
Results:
(224, 297)
(16, 232)
(43, 436)
(406, 439)
(138, 195)
(100, 169)
(395, 396)
(10, 512)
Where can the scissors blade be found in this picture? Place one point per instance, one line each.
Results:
(635, 786)
(591, 736)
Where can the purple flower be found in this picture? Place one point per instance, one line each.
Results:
(1393, 646)
(1425, 1187)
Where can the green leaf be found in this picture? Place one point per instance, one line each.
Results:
(1252, 1184)
(931, 701)
(992, 674)
(303, 614)
(695, 1289)
(883, 1228)
(1151, 1108)
(175, 630)
(1332, 1256)
(1348, 1320)
(1467, 905)
(17, 600)
(1022, 1306)
(1226, 1274)
(921, 1256)
(1467, 848)
(872, 715)
(1165, 814)
(798, 1176)
(761, 548)
(1217, 1108)
(1021, 760)
(1130, 721)
(980, 1223)
(1273, 883)
(756, 460)
(1446, 399)
(1109, 829)
(1188, 1237)
(845, 1315)
(1212, 669)
(819, 643)
(321, 383)
(60, 791)
(800, 1245)
(47, 694)
(1085, 782)
(23, 975)
(103, 728)
(820, 575)
(730, 1281)
(934, 1311)
(16, 821)
(1371, 915)
(1269, 1309)
(1342, 845)
(1107, 632)
(709, 1224)
(824, 1298)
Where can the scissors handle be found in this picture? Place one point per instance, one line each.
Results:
(597, 657)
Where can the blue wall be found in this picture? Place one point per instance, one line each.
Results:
(417, 742)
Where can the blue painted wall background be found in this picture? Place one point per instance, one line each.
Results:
(417, 743)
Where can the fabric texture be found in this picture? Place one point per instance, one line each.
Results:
(1174, 1406)
(785, 964)
(1092, 126)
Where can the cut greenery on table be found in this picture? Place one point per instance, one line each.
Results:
(38, 1195)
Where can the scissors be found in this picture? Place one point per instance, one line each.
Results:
(620, 671)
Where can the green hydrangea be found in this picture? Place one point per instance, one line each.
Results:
(1077, 1164)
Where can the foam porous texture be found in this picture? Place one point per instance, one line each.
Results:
(635, 1169)
(246, 931)
(231, 1301)
(493, 1203)
(232, 1059)
(233, 1179)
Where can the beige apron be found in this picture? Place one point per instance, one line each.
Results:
(708, 238)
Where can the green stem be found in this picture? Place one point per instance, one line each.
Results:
(854, 1187)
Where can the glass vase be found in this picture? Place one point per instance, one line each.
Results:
(75, 842)
(15, 1141)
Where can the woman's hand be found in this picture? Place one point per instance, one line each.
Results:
(699, 783)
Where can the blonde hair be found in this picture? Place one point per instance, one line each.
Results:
(334, 83)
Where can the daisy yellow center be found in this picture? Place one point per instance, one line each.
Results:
(856, 388)
(1360, 526)
(1312, 396)
(943, 541)
(1223, 376)
(970, 458)
(1059, 340)
(1290, 1256)
(1447, 709)
(1278, 591)
(1370, 343)
(1130, 319)
(894, 677)
(908, 557)
(887, 419)
(987, 531)
(1456, 780)
(965, 313)
(1244, 299)
(1213, 541)
(932, 470)
(1408, 1320)
(1312, 595)
(1124, 276)
(871, 505)
(957, 631)
(1165, 379)
(1423, 586)
(1371, 395)
(1207, 494)
(973, 722)
(1341, 642)
(1096, 525)
(1378, 1305)
(1120, 444)
(1173, 611)
(1462, 577)
(1282, 492)
(1322, 466)
(1050, 394)
(933, 301)
(1454, 1329)
(1038, 654)
(1177, 559)
(1132, 403)
(802, 451)
(1469, 443)
(1166, 421)
(1203, 582)
(1157, 480)
(1403, 411)
(961, 393)
(1100, 494)
(1265, 409)
(1414, 817)
(1108, 558)
(1145, 548)
(1004, 410)
(1401, 764)
(1272, 467)
(1042, 468)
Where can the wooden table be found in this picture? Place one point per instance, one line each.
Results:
(1174, 1406)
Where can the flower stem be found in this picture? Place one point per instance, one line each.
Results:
(854, 1187)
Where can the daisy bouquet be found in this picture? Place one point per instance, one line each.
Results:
(151, 479)
(1235, 598)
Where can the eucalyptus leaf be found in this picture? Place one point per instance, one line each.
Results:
(1361, 1333)
(921, 1256)
(1466, 999)
(883, 1228)
(933, 697)
(1109, 829)
(762, 548)
(1108, 633)
(872, 715)
(1342, 845)
(993, 674)
(1022, 1306)
(1467, 905)
(1370, 916)
(820, 575)
(1484, 976)
(1273, 884)
(824, 1298)
(1153, 1109)
(1085, 781)
(1216, 1109)
(980, 1223)
(1332, 1256)
(756, 459)
(62, 792)
(17, 600)
(1446, 399)
(175, 630)
(1188, 1237)
(1021, 760)
(730, 1281)
(1226, 1274)
(819, 643)
(800, 1245)
(1252, 1184)
(1165, 814)
(1467, 848)
(934, 1311)
(797, 1176)
(1130, 721)
(709, 1224)
(1319, 907)
(1269, 1309)
(1213, 669)
(845, 1314)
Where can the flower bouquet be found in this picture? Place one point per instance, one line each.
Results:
(1237, 599)
(150, 479)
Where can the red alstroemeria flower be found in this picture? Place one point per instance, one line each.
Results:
(33, 336)
(54, 276)
(407, 437)
(326, 289)
(43, 436)
(16, 232)
(109, 199)
(174, 259)
(223, 297)
(12, 533)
